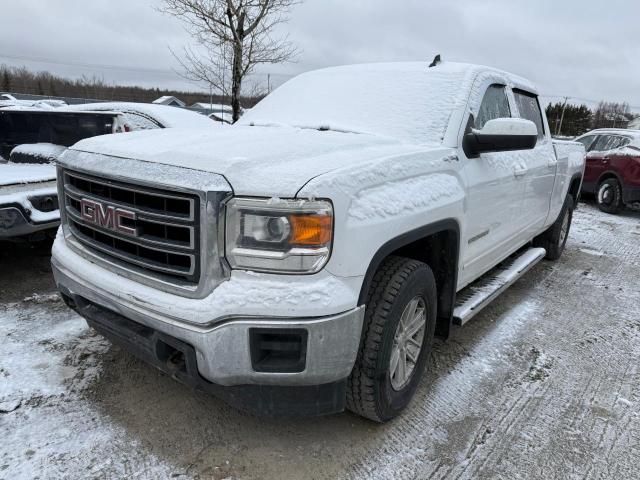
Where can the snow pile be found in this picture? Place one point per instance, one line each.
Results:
(43, 369)
(36, 153)
(167, 117)
(15, 174)
(251, 289)
(255, 160)
(144, 171)
(402, 197)
(48, 360)
(629, 151)
(406, 101)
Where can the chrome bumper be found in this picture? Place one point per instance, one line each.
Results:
(13, 223)
(223, 351)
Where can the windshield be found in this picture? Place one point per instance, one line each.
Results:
(407, 101)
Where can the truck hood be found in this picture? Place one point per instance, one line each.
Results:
(265, 161)
(16, 173)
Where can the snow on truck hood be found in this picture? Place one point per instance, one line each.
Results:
(266, 161)
(16, 173)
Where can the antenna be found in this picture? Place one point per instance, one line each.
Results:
(436, 61)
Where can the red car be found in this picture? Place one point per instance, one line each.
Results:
(612, 173)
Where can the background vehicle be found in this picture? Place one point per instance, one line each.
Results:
(302, 260)
(146, 116)
(54, 126)
(612, 173)
(31, 139)
(30, 135)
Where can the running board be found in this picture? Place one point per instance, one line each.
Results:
(475, 297)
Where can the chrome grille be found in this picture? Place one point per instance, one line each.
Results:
(166, 243)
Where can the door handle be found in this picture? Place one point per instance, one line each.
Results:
(520, 172)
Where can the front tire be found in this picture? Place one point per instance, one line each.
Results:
(399, 326)
(609, 196)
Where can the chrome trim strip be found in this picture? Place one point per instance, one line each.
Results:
(134, 259)
(142, 241)
(78, 195)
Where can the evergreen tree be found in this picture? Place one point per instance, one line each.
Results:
(6, 80)
(576, 120)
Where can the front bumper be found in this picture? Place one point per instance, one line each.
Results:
(14, 223)
(21, 209)
(221, 348)
(179, 360)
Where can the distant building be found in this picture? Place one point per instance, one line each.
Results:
(169, 101)
(213, 107)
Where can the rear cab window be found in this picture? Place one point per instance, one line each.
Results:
(529, 108)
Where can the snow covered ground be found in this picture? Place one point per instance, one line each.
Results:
(545, 383)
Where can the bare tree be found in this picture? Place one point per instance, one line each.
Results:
(236, 35)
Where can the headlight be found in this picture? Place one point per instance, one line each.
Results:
(286, 236)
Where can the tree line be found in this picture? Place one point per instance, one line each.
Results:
(573, 120)
(24, 81)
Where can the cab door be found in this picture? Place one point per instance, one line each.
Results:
(541, 164)
(495, 187)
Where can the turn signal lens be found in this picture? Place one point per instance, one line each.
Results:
(311, 230)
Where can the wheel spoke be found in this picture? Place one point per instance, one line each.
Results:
(395, 357)
(414, 342)
(408, 313)
(416, 322)
(402, 367)
(413, 356)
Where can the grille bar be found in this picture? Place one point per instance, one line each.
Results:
(74, 192)
(161, 233)
(141, 240)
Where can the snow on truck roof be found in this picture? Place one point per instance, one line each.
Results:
(407, 100)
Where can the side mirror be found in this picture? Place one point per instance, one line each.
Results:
(501, 135)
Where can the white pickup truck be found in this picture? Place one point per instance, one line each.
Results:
(302, 260)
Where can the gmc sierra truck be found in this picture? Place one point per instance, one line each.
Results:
(302, 260)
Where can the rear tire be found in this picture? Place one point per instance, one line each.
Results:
(401, 299)
(609, 196)
(555, 238)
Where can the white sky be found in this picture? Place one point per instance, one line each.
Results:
(583, 49)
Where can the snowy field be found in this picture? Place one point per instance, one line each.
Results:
(545, 383)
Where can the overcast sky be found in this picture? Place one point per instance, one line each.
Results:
(583, 49)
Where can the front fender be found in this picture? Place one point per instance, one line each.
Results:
(380, 200)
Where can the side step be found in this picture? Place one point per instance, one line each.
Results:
(476, 296)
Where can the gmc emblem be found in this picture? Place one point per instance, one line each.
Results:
(107, 216)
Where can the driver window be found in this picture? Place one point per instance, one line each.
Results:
(495, 104)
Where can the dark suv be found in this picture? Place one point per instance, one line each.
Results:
(612, 172)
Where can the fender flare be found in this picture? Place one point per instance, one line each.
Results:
(576, 176)
(609, 173)
(447, 288)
